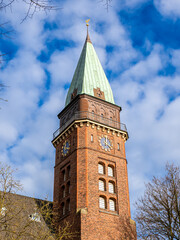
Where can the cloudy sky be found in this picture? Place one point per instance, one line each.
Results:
(138, 44)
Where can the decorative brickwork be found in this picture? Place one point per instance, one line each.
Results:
(98, 93)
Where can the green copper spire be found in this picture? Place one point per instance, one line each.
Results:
(89, 77)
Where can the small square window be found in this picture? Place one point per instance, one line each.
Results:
(35, 217)
(3, 211)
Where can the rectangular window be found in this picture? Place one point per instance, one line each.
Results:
(118, 147)
(92, 138)
(112, 205)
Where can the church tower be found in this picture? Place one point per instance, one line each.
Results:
(90, 175)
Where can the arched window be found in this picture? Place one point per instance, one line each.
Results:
(68, 205)
(110, 171)
(102, 202)
(112, 204)
(63, 192)
(68, 171)
(68, 188)
(101, 185)
(111, 187)
(101, 168)
(64, 175)
(63, 209)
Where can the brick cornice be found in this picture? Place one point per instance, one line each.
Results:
(92, 124)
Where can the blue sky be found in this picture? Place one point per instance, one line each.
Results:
(138, 44)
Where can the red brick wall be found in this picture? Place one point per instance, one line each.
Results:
(83, 157)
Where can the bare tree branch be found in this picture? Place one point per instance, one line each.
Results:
(107, 4)
(158, 211)
(23, 217)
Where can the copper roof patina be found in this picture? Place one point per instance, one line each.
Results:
(89, 75)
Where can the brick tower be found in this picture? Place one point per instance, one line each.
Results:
(90, 174)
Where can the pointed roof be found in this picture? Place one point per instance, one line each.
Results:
(89, 76)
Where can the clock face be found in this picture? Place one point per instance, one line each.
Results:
(105, 143)
(65, 148)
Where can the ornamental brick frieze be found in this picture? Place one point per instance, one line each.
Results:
(102, 108)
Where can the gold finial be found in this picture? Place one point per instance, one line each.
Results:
(87, 24)
(88, 38)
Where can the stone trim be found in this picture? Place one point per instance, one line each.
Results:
(90, 123)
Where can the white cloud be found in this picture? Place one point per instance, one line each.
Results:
(30, 117)
(176, 59)
(147, 68)
(169, 8)
(151, 118)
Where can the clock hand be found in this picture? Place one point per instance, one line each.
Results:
(109, 145)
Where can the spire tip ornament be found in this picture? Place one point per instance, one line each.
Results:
(87, 22)
(88, 38)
